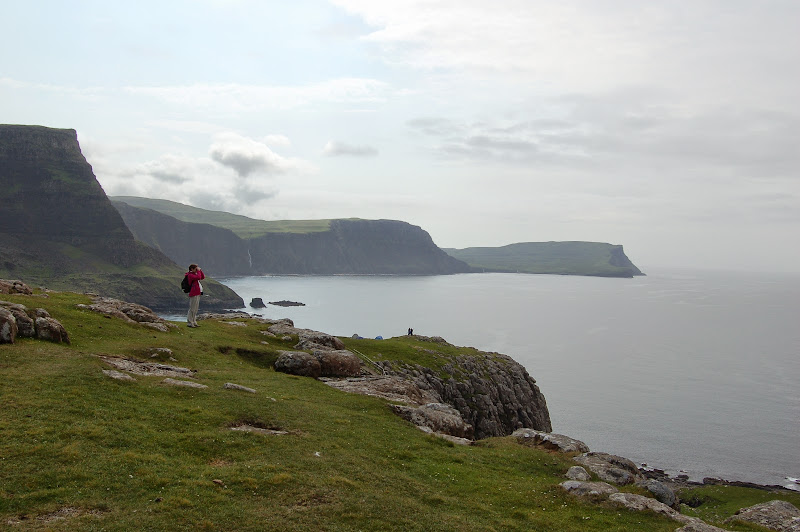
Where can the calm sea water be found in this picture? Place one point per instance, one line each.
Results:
(692, 372)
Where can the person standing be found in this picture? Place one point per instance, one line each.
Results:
(194, 274)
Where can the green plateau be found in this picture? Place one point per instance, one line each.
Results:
(558, 258)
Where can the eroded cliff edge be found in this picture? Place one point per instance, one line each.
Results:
(348, 246)
(59, 229)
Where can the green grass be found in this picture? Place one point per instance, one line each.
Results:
(117, 456)
(242, 226)
(558, 258)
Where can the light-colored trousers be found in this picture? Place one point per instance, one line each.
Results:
(194, 304)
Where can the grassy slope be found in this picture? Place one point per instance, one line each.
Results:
(143, 456)
(568, 258)
(243, 226)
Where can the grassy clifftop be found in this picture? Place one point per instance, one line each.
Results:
(81, 451)
(559, 258)
(242, 226)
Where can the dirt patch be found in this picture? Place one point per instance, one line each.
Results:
(66, 512)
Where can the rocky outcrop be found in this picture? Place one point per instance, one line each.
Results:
(298, 363)
(14, 287)
(549, 440)
(438, 417)
(58, 227)
(493, 393)
(775, 515)
(17, 320)
(129, 312)
(610, 468)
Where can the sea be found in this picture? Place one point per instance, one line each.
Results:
(692, 372)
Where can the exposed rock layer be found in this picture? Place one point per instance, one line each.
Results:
(348, 247)
(57, 227)
(493, 392)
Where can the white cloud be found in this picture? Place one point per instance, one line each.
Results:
(247, 156)
(335, 148)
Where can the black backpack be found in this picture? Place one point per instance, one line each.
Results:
(186, 286)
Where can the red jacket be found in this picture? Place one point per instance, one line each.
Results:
(194, 277)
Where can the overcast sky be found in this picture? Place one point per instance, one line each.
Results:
(671, 127)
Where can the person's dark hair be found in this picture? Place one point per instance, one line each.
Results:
(192, 267)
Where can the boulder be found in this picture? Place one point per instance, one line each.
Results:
(549, 440)
(185, 384)
(338, 363)
(438, 417)
(8, 326)
(583, 489)
(257, 302)
(641, 503)
(661, 492)
(298, 363)
(313, 339)
(232, 386)
(51, 330)
(25, 326)
(610, 468)
(576, 472)
(129, 312)
(775, 515)
(14, 287)
(389, 387)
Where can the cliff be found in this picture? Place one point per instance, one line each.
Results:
(341, 247)
(57, 227)
(492, 392)
(559, 258)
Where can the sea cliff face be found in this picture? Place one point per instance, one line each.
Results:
(58, 228)
(492, 392)
(366, 247)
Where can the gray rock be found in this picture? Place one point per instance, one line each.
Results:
(584, 489)
(147, 368)
(775, 515)
(389, 387)
(232, 386)
(438, 417)
(661, 492)
(186, 384)
(259, 430)
(338, 363)
(118, 375)
(549, 440)
(26, 327)
(14, 287)
(257, 302)
(8, 326)
(51, 330)
(641, 503)
(610, 468)
(298, 363)
(578, 473)
(129, 312)
(493, 393)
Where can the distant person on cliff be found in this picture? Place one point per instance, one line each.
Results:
(194, 274)
(410, 331)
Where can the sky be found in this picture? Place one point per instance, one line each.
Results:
(670, 127)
